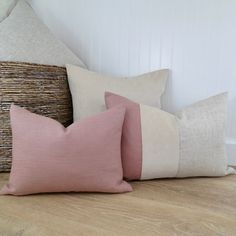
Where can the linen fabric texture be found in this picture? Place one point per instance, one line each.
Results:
(23, 37)
(157, 144)
(87, 89)
(50, 158)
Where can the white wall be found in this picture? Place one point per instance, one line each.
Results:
(196, 39)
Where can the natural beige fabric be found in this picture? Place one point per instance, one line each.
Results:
(5, 8)
(88, 88)
(186, 145)
(160, 143)
(202, 129)
(23, 37)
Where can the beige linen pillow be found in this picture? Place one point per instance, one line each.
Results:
(157, 144)
(87, 89)
(23, 37)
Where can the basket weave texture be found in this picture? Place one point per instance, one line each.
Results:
(42, 89)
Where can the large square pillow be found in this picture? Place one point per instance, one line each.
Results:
(87, 89)
(23, 37)
(42, 89)
(157, 144)
(50, 158)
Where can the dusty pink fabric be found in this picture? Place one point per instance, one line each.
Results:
(50, 158)
(131, 145)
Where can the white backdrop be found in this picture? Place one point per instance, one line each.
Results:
(196, 39)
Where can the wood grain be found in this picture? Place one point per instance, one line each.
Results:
(201, 206)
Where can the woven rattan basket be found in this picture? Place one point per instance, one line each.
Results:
(42, 89)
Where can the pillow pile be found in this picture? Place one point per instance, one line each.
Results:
(133, 140)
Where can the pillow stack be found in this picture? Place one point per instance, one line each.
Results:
(119, 132)
(156, 144)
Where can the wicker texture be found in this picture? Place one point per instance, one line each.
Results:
(42, 89)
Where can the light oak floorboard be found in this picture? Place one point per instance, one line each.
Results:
(178, 207)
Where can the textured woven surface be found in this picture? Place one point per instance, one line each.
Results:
(23, 37)
(202, 132)
(41, 89)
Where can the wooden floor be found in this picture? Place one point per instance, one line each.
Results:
(201, 207)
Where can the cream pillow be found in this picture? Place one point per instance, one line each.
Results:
(87, 89)
(157, 144)
(23, 37)
(5, 8)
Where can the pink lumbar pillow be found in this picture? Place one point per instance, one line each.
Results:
(157, 144)
(50, 158)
